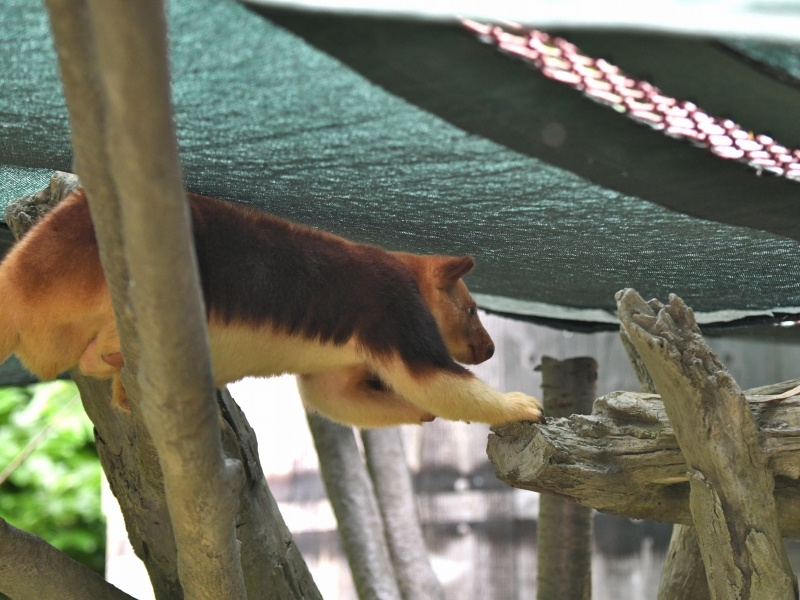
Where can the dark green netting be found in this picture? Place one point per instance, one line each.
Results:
(785, 57)
(266, 118)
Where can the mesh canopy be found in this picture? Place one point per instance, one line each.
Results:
(389, 142)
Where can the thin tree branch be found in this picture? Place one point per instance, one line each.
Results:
(394, 491)
(353, 500)
(32, 568)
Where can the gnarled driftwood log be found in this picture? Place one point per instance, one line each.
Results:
(623, 459)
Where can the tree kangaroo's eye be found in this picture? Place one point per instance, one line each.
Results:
(471, 311)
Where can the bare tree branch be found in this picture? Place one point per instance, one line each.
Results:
(131, 118)
(398, 505)
(32, 568)
(731, 486)
(353, 500)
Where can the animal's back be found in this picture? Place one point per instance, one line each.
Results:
(257, 269)
(257, 272)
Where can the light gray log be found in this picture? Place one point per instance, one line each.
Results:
(683, 574)
(353, 499)
(731, 487)
(623, 459)
(394, 491)
(564, 547)
(32, 568)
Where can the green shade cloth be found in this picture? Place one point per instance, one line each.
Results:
(266, 118)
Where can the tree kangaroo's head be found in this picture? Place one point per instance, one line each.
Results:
(448, 299)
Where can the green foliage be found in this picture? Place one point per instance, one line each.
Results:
(55, 492)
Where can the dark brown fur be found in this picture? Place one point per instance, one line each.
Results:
(312, 283)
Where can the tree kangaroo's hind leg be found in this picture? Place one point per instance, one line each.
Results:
(353, 395)
(458, 396)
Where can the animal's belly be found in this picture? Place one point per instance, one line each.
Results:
(238, 351)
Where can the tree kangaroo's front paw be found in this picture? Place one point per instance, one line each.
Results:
(522, 408)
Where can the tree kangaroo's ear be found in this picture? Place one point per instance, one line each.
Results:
(450, 269)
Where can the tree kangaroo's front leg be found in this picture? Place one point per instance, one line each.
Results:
(458, 396)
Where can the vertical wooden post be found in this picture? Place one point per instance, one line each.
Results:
(565, 529)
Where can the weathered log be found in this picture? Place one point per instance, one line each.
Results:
(731, 488)
(683, 574)
(564, 546)
(623, 459)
